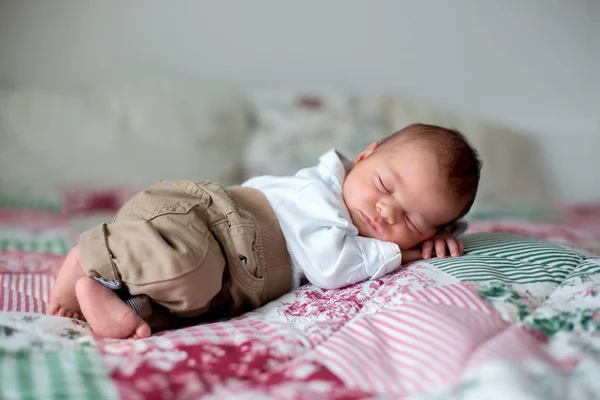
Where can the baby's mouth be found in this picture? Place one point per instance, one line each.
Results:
(369, 222)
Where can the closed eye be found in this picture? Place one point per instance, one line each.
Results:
(410, 224)
(383, 188)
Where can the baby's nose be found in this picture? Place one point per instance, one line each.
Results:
(387, 212)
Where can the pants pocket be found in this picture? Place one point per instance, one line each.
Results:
(238, 246)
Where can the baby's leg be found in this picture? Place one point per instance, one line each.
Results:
(63, 300)
(107, 314)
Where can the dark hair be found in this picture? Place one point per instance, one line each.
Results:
(459, 161)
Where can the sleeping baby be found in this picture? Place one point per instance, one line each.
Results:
(183, 252)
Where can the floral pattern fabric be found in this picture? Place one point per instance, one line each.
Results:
(518, 316)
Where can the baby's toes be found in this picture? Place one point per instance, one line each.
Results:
(78, 316)
(52, 309)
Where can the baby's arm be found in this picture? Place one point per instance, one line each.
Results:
(410, 255)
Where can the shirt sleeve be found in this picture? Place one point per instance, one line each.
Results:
(325, 244)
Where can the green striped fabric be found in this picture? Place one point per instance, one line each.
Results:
(48, 203)
(67, 374)
(510, 258)
(584, 270)
(54, 244)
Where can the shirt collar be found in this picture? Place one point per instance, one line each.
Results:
(336, 165)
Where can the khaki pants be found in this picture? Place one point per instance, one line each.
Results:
(185, 249)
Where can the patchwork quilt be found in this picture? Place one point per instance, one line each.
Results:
(518, 316)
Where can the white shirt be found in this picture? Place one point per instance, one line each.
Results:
(323, 242)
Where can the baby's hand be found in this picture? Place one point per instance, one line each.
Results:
(437, 245)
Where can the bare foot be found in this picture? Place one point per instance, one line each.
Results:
(107, 314)
(63, 300)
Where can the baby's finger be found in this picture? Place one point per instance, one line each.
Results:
(440, 248)
(461, 247)
(452, 247)
(427, 249)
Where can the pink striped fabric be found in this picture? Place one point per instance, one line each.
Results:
(26, 277)
(25, 292)
(425, 342)
(26, 280)
(514, 343)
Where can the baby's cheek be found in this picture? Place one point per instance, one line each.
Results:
(419, 239)
(428, 234)
(408, 241)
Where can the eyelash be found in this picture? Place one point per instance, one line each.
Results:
(384, 189)
(410, 224)
(408, 221)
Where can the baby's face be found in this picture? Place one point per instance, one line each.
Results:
(395, 193)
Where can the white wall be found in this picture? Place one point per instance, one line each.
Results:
(526, 63)
(594, 39)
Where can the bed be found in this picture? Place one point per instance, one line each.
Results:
(517, 317)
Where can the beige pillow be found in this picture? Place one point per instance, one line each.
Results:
(120, 135)
(511, 173)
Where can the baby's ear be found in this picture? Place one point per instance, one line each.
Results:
(366, 152)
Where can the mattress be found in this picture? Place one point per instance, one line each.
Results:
(518, 316)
